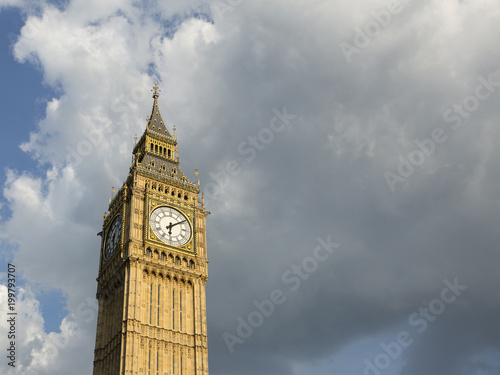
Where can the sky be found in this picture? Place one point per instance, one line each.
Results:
(347, 154)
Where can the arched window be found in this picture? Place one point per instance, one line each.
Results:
(177, 260)
(169, 153)
(191, 265)
(148, 252)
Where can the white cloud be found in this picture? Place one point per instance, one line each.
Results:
(11, 3)
(39, 352)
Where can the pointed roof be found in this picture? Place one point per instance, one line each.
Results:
(152, 161)
(155, 122)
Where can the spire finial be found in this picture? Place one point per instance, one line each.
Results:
(196, 173)
(156, 91)
(112, 194)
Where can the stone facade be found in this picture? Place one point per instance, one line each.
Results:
(151, 294)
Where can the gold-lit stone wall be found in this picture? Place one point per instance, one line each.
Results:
(153, 318)
(152, 302)
(108, 340)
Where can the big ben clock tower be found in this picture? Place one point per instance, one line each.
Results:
(153, 266)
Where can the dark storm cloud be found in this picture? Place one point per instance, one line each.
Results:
(324, 176)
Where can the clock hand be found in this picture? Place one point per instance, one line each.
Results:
(170, 226)
(180, 222)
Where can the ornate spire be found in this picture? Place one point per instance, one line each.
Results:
(156, 91)
(156, 153)
(155, 122)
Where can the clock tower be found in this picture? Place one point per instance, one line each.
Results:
(153, 266)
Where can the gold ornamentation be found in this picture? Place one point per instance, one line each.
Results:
(112, 193)
(156, 91)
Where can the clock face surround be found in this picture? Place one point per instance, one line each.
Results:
(170, 226)
(113, 237)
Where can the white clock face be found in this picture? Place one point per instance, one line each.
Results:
(170, 226)
(113, 237)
